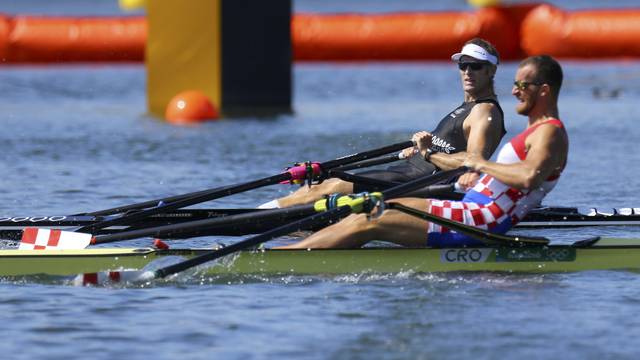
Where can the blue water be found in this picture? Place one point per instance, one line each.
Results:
(76, 138)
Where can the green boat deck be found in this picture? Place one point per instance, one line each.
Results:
(607, 254)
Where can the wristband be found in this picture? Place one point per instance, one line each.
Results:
(428, 154)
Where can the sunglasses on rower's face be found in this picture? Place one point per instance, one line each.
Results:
(522, 85)
(475, 66)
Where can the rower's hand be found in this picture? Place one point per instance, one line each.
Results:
(409, 152)
(474, 162)
(467, 180)
(422, 139)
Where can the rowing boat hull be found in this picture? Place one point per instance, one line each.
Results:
(608, 254)
(433, 260)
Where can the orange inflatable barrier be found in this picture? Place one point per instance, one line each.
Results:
(516, 30)
(400, 36)
(4, 37)
(66, 39)
(582, 34)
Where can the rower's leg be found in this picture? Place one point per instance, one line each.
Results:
(307, 194)
(356, 230)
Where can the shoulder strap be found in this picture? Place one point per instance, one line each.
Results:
(555, 122)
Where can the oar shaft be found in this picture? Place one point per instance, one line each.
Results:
(372, 182)
(261, 216)
(371, 162)
(205, 196)
(423, 181)
(180, 201)
(472, 231)
(167, 231)
(366, 155)
(323, 217)
(149, 203)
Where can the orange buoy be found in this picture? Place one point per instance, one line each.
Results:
(190, 107)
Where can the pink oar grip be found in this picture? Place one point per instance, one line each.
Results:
(299, 172)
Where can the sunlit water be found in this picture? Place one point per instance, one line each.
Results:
(75, 138)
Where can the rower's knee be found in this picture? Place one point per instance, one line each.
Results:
(308, 194)
(332, 186)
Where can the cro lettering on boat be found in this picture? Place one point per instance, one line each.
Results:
(464, 255)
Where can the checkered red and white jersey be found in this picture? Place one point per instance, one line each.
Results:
(505, 203)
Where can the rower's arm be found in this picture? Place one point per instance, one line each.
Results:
(483, 130)
(547, 151)
(448, 161)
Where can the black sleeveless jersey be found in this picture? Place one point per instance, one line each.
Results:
(448, 137)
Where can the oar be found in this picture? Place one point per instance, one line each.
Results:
(237, 222)
(328, 165)
(213, 226)
(149, 203)
(362, 203)
(474, 232)
(301, 172)
(208, 226)
(372, 162)
(353, 178)
(39, 240)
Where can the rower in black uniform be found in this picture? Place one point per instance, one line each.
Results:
(449, 137)
(475, 126)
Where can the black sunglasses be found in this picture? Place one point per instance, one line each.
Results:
(475, 66)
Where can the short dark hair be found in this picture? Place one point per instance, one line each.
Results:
(548, 71)
(485, 45)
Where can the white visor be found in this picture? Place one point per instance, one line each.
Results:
(476, 52)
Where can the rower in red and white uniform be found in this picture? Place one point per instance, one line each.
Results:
(491, 204)
(499, 194)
